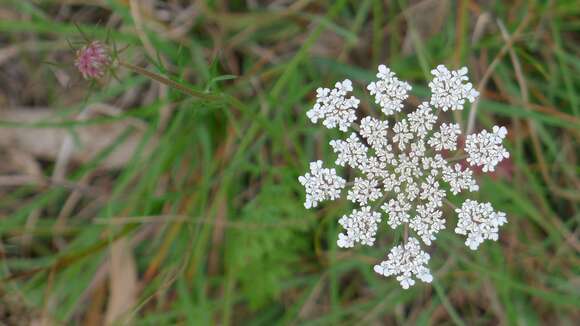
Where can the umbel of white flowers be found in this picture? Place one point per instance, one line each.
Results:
(401, 169)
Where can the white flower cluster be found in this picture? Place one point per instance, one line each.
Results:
(405, 261)
(389, 91)
(361, 226)
(486, 148)
(448, 90)
(404, 171)
(333, 107)
(479, 222)
(321, 184)
(446, 137)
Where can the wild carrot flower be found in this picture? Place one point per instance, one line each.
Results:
(402, 171)
(334, 107)
(360, 226)
(479, 222)
(93, 60)
(450, 89)
(486, 149)
(321, 184)
(405, 261)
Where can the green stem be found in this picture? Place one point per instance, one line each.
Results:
(169, 82)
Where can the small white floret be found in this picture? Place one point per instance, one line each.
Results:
(350, 151)
(478, 221)
(333, 107)
(446, 137)
(360, 226)
(486, 149)
(450, 89)
(321, 184)
(389, 91)
(404, 262)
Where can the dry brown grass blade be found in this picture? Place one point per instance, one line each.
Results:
(309, 307)
(46, 142)
(123, 282)
(575, 196)
(224, 155)
(98, 282)
(570, 238)
(425, 19)
(491, 68)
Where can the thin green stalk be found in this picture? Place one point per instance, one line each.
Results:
(170, 83)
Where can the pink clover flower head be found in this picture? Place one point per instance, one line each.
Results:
(92, 60)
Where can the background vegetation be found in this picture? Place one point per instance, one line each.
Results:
(129, 201)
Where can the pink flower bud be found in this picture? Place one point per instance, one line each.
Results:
(93, 60)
